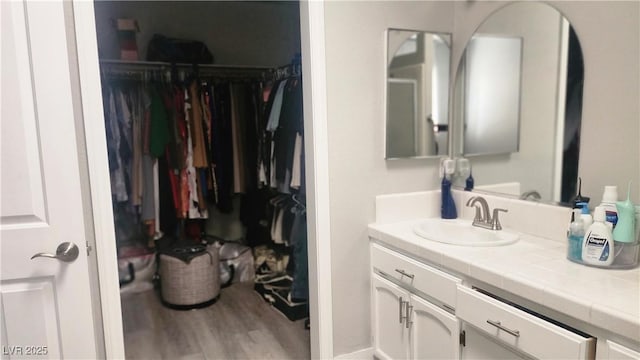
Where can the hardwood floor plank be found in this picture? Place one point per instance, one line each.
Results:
(240, 325)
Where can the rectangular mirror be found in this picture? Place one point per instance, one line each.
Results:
(417, 94)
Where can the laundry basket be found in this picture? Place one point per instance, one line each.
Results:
(189, 277)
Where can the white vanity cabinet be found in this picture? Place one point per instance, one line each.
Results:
(406, 324)
(464, 302)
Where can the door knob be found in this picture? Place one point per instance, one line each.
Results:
(66, 252)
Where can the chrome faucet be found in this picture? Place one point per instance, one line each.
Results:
(482, 218)
(530, 195)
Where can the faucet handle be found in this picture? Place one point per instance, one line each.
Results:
(495, 220)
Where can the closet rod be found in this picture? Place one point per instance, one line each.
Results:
(157, 65)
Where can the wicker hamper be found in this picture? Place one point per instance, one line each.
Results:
(189, 285)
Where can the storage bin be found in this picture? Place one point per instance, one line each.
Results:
(189, 278)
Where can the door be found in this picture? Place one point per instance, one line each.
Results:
(435, 334)
(45, 303)
(391, 338)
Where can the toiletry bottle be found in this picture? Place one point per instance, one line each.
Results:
(469, 183)
(447, 206)
(625, 228)
(575, 236)
(638, 223)
(597, 246)
(587, 219)
(609, 199)
(448, 209)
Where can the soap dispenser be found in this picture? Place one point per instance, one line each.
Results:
(575, 236)
(625, 228)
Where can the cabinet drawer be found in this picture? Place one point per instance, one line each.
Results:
(433, 282)
(521, 330)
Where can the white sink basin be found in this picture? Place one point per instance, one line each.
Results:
(461, 232)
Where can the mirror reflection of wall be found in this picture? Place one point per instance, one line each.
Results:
(492, 95)
(545, 162)
(417, 94)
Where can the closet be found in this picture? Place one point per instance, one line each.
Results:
(207, 157)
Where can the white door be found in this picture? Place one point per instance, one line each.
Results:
(45, 302)
(391, 338)
(435, 334)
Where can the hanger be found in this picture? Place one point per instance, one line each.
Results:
(299, 206)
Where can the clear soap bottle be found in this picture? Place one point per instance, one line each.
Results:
(575, 237)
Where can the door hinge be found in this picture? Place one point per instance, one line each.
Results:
(88, 248)
(463, 338)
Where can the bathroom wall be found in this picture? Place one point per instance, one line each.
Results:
(251, 33)
(609, 34)
(355, 59)
(609, 154)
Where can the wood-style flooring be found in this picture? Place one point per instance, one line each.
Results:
(240, 325)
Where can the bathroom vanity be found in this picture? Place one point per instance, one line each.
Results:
(433, 300)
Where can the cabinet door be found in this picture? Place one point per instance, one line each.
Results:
(435, 334)
(478, 346)
(390, 336)
(619, 352)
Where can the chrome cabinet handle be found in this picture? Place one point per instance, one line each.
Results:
(409, 308)
(403, 273)
(497, 324)
(66, 252)
(400, 302)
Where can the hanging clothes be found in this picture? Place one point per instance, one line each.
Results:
(136, 171)
(116, 166)
(222, 148)
(196, 125)
(195, 210)
(159, 126)
(175, 149)
(300, 285)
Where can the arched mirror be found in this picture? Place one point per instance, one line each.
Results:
(417, 94)
(518, 101)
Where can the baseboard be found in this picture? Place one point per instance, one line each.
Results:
(360, 354)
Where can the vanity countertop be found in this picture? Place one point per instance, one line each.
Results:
(536, 269)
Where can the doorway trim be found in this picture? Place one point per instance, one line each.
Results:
(312, 38)
(316, 159)
(99, 179)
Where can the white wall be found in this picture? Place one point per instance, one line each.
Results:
(609, 154)
(355, 58)
(251, 33)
